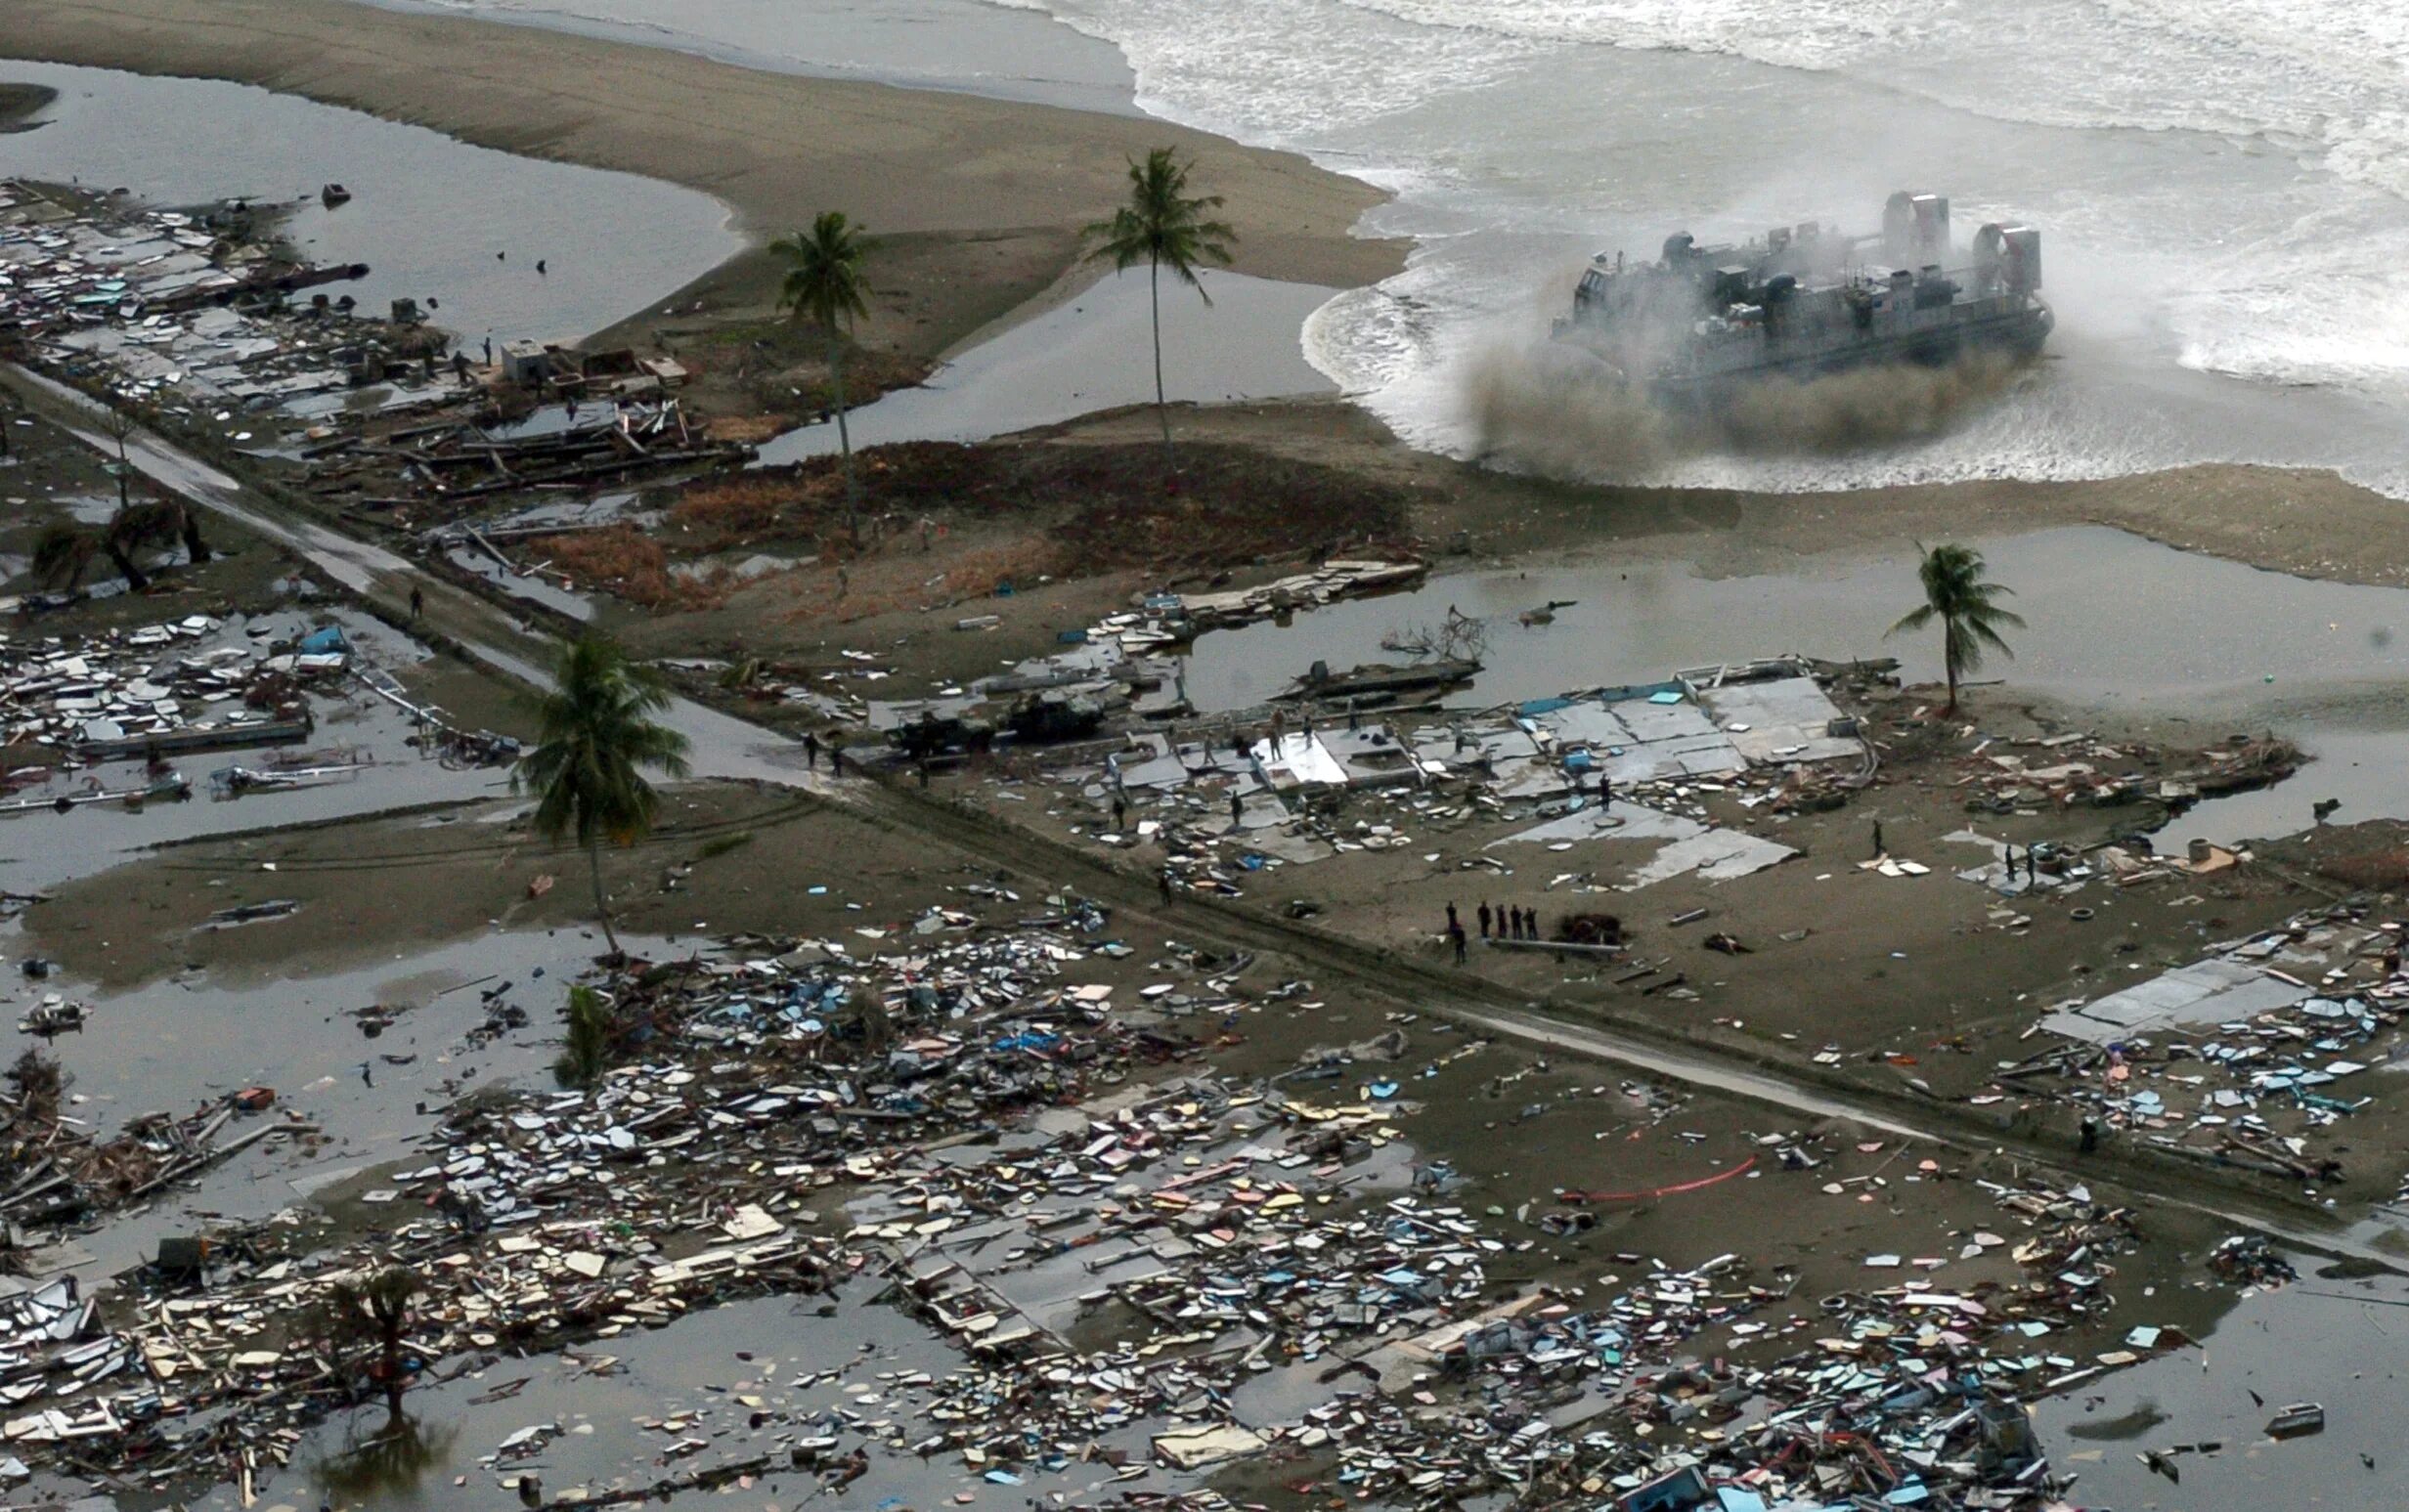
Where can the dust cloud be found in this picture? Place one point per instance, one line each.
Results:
(1561, 412)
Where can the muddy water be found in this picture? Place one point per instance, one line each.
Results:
(2112, 620)
(2356, 1368)
(697, 1369)
(428, 214)
(1095, 352)
(173, 1044)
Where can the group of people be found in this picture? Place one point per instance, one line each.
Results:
(1513, 922)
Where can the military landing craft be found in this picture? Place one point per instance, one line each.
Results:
(1806, 301)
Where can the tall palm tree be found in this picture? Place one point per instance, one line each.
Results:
(824, 286)
(597, 735)
(1956, 594)
(1163, 226)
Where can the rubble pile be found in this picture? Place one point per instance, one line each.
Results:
(191, 317)
(2246, 1056)
(2074, 770)
(1143, 1276)
(1628, 763)
(191, 684)
(189, 314)
(449, 466)
(57, 1174)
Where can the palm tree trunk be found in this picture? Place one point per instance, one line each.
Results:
(845, 440)
(1163, 409)
(601, 903)
(1949, 660)
(136, 579)
(393, 1377)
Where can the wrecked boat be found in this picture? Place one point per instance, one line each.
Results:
(1378, 682)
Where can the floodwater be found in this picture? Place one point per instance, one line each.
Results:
(428, 214)
(42, 849)
(712, 1372)
(2113, 619)
(171, 1044)
(2355, 1369)
(1092, 352)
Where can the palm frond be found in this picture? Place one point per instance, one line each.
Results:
(824, 284)
(596, 736)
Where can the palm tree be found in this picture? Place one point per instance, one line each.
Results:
(824, 286)
(1162, 228)
(596, 733)
(1956, 594)
(374, 1312)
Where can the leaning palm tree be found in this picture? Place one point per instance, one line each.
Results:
(824, 286)
(148, 525)
(597, 735)
(1956, 594)
(1161, 226)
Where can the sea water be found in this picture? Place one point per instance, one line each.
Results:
(2219, 183)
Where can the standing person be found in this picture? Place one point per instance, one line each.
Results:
(417, 601)
(1238, 809)
(836, 760)
(1483, 917)
(1162, 885)
(1451, 918)
(1455, 937)
(2091, 1132)
(810, 751)
(1605, 793)
(1121, 812)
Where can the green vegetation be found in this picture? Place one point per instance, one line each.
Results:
(1956, 594)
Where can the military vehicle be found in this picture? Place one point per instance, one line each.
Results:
(1802, 301)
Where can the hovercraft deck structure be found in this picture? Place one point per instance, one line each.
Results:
(1808, 300)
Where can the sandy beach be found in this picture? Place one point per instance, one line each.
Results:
(980, 199)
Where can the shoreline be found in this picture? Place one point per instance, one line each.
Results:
(982, 191)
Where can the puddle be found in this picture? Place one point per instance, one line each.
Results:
(427, 214)
(1092, 353)
(533, 589)
(2111, 618)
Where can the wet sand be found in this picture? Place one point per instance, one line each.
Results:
(998, 184)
